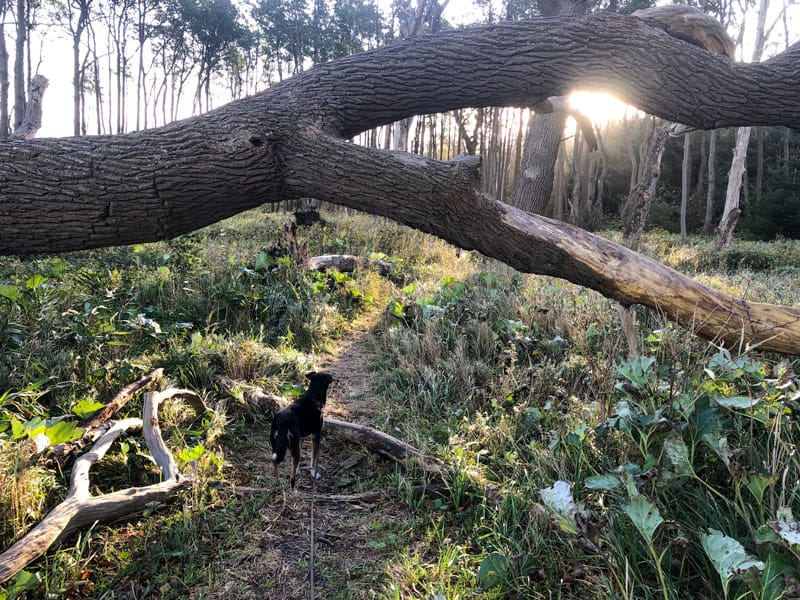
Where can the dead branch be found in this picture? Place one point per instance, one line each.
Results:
(96, 425)
(385, 445)
(81, 509)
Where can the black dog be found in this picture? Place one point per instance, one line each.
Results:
(301, 418)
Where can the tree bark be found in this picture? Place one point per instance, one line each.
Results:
(711, 190)
(731, 211)
(640, 198)
(287, 142)
(686, 167)
(19, 63)
(4, 81)
(535, 182)
(32, 121)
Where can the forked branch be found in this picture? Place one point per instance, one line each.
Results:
(81, 509)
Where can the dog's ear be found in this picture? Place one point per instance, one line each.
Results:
(310, 375)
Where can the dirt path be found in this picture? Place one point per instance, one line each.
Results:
(354, 541)
(352, 397)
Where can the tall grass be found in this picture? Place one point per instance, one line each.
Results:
(578, 471)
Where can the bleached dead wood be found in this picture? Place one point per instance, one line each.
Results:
(92, 426)
(81, 509)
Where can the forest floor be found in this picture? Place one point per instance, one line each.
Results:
(272, 557)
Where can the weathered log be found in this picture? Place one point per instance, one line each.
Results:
(385, 445)
(344, 263)
(81, 509)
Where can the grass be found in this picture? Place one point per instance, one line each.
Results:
(666, 476)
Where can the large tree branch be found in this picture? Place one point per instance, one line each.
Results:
(75, 193)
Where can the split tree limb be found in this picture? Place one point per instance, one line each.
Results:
(81, 509)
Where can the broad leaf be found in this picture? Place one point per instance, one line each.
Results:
(608, 481)
(645, 515)
(63, 432)
(728, 557)
(736, 402)
(787, 527)
(678, 456)
(493, 570)
(86, 408)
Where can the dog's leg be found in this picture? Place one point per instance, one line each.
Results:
(315, 442)
(294, 441)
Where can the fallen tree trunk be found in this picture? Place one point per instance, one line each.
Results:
(287, 142)
(385, 445)
(81, 509)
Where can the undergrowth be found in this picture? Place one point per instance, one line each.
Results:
(577, 471)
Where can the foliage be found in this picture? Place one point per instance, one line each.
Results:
(668, 475)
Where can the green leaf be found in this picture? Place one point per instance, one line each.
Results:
(728, 557)
(719, 444)
(645, 516)
(9, 291)
(189, 454)
(493, 569)
(22, 582)
(35, 281)
(86, 408)
(773, 578)
(678, 456)
(17, 429)
(736, 402)
(62, 432)
(608, 481)
(558, 498)
(758, 484)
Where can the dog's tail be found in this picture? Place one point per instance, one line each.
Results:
(274, 457)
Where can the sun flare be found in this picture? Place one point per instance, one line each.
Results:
(600, 107)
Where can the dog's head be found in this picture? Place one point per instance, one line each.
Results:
(318, 386)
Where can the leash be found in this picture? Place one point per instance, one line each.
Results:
(311, 535)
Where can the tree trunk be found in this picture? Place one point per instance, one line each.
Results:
(156, 184)
(32, 121)
(731, 211)
(4, 83)
(711, 190)
(535, 182)
(685, 182)
(19, 63)
(759, 164)
(640, 198)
